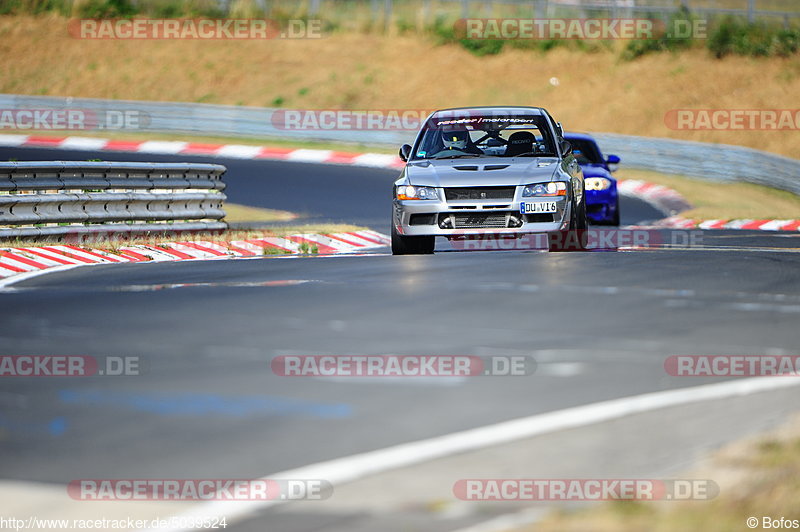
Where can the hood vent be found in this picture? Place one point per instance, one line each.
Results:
(471, 168)
(495, 166)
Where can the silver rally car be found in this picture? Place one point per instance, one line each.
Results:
(486, 170)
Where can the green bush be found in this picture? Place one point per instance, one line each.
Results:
(542, 45)
(733, 36)
(786, 42)
(106, 9)
(405, 26)
(665, 41)
(639, 47)
(33, 7)
(445, 32)
(170, 9)
(545, 45)
(481, 47)
(114, 8)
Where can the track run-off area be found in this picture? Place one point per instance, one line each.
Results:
(206, 403)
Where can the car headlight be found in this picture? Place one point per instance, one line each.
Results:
(554, 188)
(406, 192)
(597, 183)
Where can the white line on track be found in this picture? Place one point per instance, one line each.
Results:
(8, 281)
(350, 468)
(507, 521)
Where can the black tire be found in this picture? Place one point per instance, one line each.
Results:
(615, 221)
(412, 245)
(575, 238)
(581, 220)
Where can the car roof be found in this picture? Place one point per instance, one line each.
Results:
(496, 108)
(581, 136)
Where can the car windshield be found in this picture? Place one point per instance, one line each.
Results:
(485, 135)
(585, 151)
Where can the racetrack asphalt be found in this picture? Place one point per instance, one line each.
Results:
(599, 324)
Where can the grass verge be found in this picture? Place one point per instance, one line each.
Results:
(356, 71)
(243, 213)
(728, 35)
(757, 477)
(724, 201)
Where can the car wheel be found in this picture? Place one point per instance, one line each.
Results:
(581, 220)
(615, 220)
(575, 238)
(411, 245)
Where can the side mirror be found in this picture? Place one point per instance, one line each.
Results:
(612, 159)
(566, 147)
(405, 152)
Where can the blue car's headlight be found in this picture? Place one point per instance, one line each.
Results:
(597, 183)
(539, 190)
(410, 192)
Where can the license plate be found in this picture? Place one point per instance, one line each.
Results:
(535, 207)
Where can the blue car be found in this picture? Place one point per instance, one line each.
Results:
(602, 201)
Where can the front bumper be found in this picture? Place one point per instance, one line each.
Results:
(601, 205)
(475, 217)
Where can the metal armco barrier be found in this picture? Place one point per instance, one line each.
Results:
(715, 162)
(71, 198)
(385, 10)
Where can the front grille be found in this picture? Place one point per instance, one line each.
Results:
(479, 193)
(477, 221)
(464, 221)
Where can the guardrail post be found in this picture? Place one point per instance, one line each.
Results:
(426, 14)
(539, 9)
(387, 15)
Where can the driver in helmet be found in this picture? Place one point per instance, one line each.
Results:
(459, 139)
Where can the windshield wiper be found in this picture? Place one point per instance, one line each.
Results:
(457, 156)
(533, 154)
